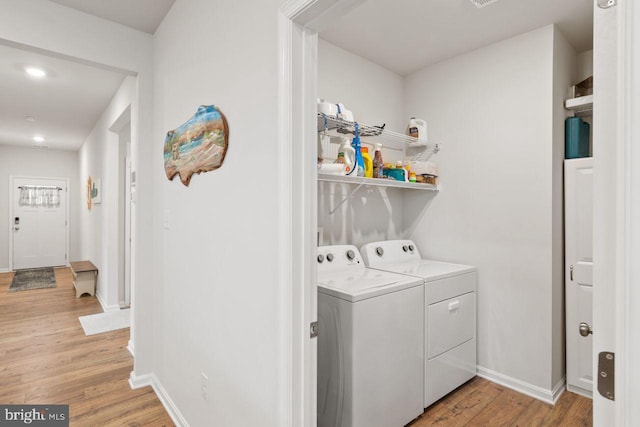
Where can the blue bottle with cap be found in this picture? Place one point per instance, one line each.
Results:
(359, 169)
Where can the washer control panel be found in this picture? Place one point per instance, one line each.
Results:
(338, 257)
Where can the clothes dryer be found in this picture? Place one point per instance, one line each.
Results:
(370, 343)
(450, 312)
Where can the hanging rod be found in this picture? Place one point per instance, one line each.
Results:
(43, 187)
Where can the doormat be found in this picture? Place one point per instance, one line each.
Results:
(36, 278)
(105, 322)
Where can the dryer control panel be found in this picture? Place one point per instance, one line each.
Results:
(389, 252)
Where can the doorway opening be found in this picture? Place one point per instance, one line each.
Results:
(122, 128)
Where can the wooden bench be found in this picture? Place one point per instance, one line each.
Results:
(85, 277)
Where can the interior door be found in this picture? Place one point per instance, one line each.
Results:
(578, 196)
(607, 208)
(39, 232)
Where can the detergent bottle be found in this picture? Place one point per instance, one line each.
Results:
(349, 154)
(368, 162)
(417, 129)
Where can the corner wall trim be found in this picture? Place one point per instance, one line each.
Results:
(136, 382)
(547, 396)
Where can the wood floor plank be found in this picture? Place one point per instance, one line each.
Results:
(483, 403)
(47, 359)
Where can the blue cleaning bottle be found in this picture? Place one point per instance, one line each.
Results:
(359, 169)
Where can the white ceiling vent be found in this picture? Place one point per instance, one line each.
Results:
(482, 3)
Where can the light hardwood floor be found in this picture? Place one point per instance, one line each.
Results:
(483, 403)
(45, 358)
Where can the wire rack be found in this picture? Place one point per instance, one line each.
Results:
(415, 149)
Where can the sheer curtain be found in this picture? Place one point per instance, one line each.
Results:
(35, 196)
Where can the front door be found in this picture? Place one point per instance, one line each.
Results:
(39, 222)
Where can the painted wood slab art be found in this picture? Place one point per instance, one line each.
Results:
(198, 145)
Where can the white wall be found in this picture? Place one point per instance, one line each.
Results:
(46, 26)
(375, 95)
(492, 112)
(42, 163)
(584, 66)
(99, 226)
(217, 311)
(564, 74)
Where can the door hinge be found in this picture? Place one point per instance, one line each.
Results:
(65, 257)
(314, 329)
(606, 374)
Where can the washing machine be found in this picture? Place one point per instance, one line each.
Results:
(370, 343)
(450, 312)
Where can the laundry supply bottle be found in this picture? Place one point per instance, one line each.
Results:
(402, 175)
(349, 154)
(368, 162)
(359, 165)
(378, 163)
(417, 129)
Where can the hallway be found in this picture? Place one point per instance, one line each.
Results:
(47, 359)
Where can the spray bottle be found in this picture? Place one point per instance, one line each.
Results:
(356, 146)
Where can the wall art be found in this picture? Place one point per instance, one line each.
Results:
(198, 145)
(89, 186)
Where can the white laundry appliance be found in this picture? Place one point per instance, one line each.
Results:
(450, 312)
(370, 343)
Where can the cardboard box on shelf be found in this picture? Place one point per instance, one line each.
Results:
(583, 88)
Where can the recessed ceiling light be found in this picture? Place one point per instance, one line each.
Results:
(482, 3)
(38, 138)
(35, 72)
(30, 118)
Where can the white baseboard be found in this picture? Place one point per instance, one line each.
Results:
(580, 391)
(547, 396)
(130, 348)
(106, 307)
(151, 380)
(4, 270)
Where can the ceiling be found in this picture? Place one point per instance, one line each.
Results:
(407, 35)
(401, 35)
(143, 15)
(65, 104)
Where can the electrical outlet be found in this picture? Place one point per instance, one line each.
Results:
(204, 385)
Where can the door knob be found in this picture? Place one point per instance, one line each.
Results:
(585, 329)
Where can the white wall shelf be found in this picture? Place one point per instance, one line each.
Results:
(420, 150)
(581, 106)
(371, 182)
(376, 182)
